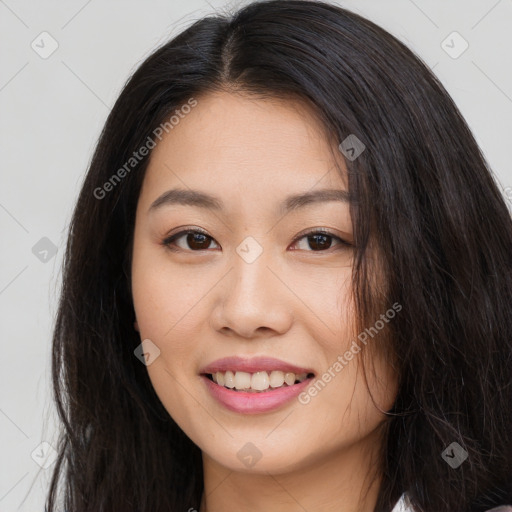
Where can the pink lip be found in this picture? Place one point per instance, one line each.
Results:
(254, 403)
(252, 365)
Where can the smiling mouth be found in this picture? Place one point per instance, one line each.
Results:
(258, 382)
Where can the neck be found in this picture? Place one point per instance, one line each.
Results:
(339, 482)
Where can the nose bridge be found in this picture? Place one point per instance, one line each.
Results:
(251, 274)
(251, 297)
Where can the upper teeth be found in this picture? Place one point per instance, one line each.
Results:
(259, 381)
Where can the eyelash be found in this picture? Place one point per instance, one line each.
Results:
(169, 241)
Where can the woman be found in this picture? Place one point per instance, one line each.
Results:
(287, 283)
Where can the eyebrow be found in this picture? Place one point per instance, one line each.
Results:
(189, 197)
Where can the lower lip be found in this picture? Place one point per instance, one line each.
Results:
(254, 403)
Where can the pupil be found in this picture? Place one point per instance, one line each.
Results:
(321, 245)
(192, 238)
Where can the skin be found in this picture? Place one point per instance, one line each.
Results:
(292, 303)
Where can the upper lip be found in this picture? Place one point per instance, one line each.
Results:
(253, 365)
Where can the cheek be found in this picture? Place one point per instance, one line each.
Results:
(344, 397)
(164, 297)
(329, 299)
(164, 302)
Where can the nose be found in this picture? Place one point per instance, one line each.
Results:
(252, 300)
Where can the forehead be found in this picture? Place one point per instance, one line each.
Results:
(240, 145)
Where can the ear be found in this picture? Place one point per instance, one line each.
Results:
(136, 326)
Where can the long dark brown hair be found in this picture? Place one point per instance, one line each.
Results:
(424, 195)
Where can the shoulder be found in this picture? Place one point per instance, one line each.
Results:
(402, 505)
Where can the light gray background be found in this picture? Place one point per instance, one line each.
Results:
(52, 111)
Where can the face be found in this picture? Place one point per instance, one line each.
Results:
(245, 285)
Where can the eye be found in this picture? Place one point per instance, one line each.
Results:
(195, 240)
(320, 240)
